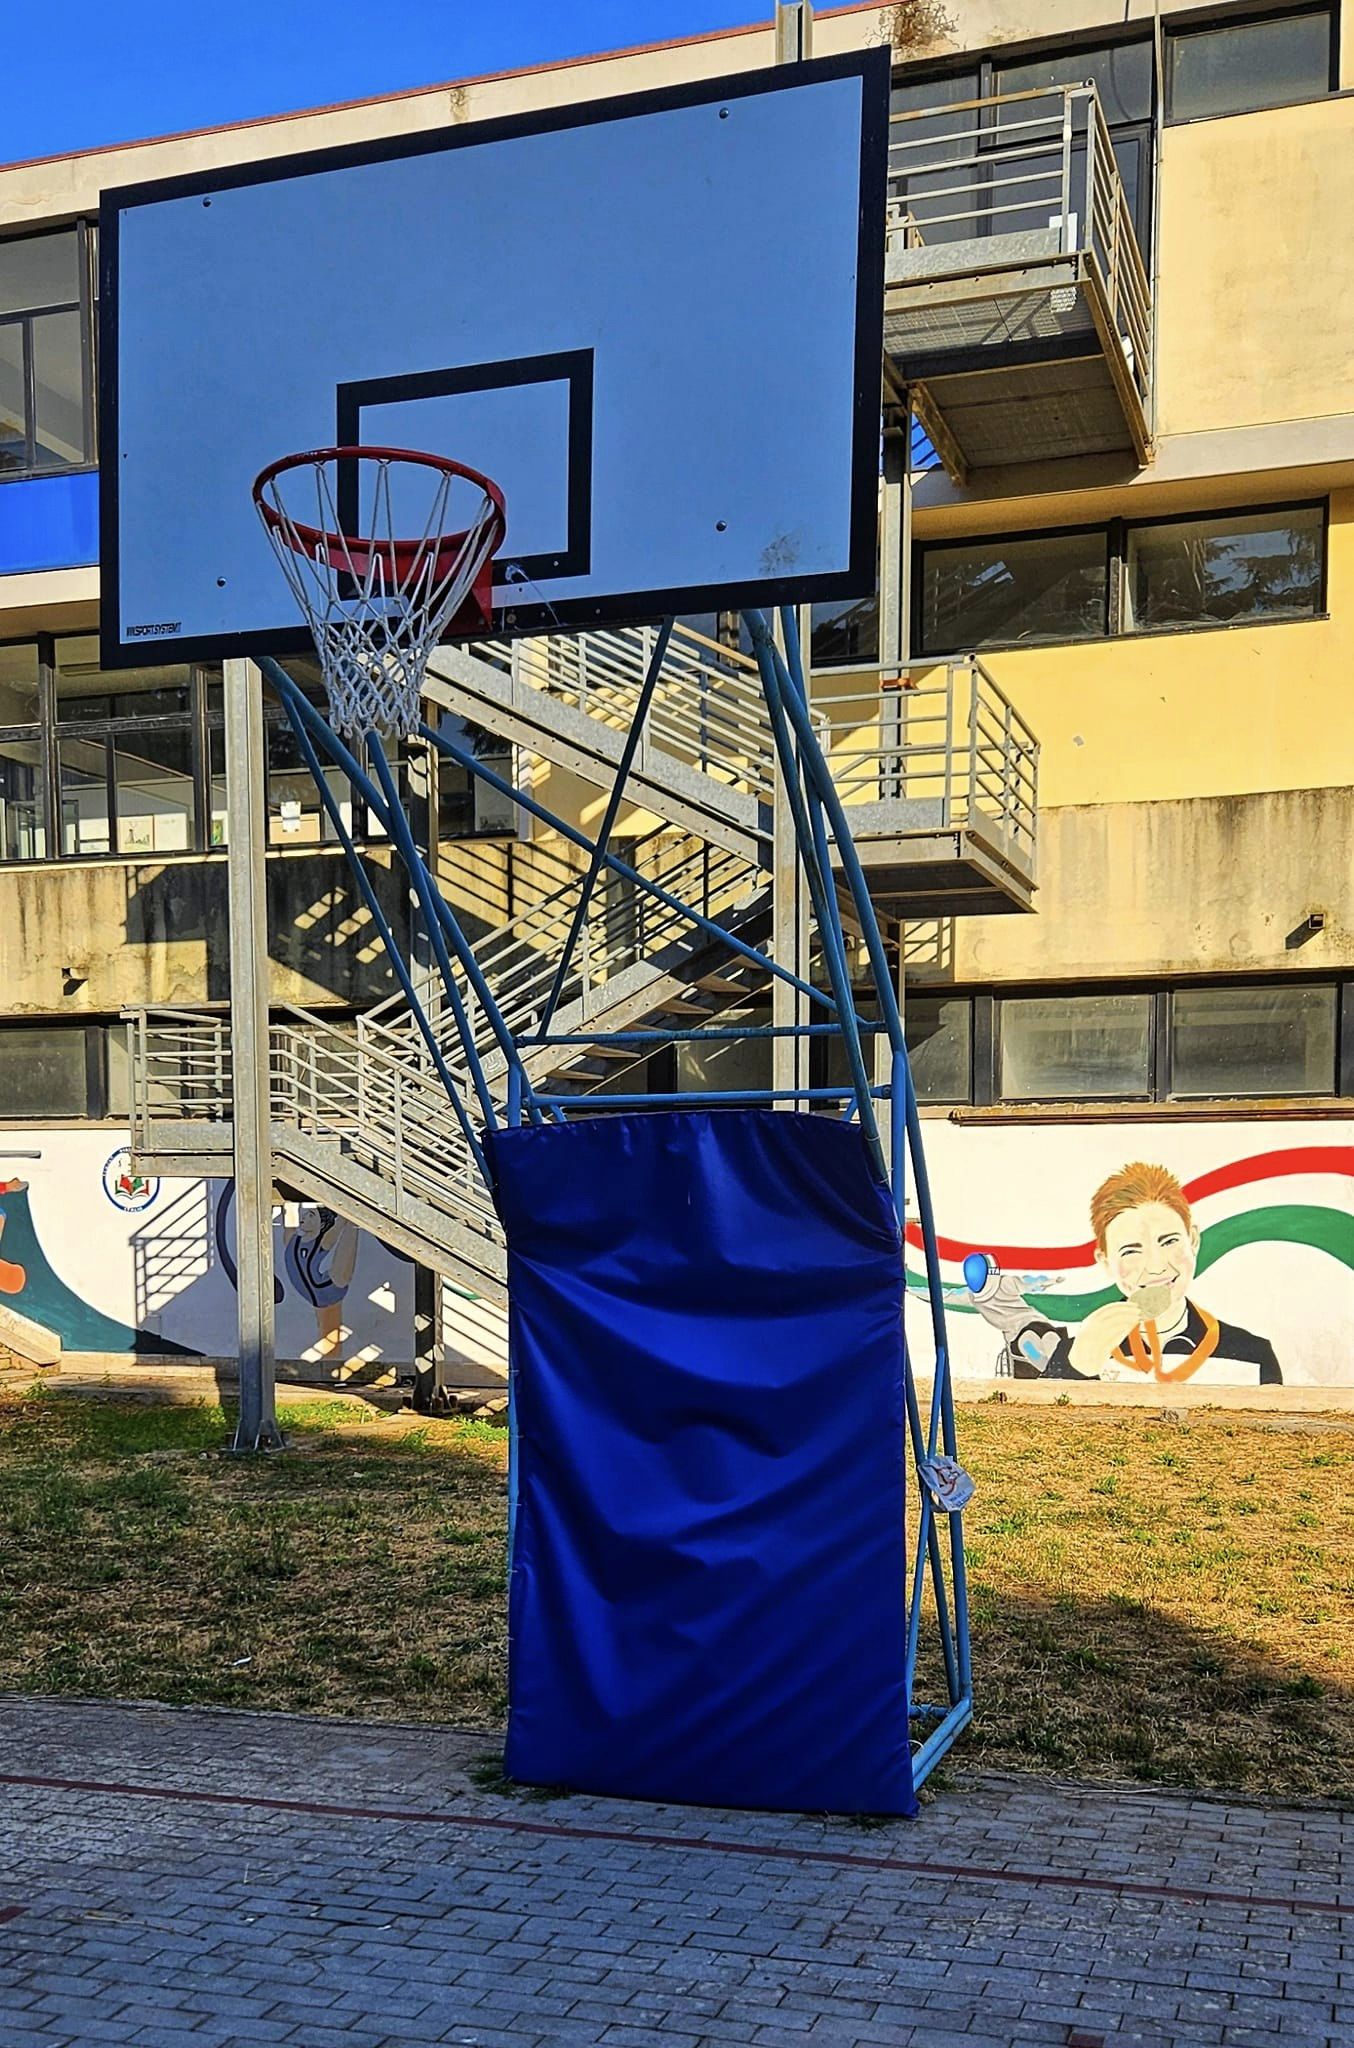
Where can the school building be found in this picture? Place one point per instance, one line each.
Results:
(1095, 728)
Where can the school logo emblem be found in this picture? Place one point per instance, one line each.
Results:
(127, 1190)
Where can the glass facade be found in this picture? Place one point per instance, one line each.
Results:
(1254, 1041)
(98, 763)
(1226, 571)
(46, 355)
(1221, 569)
(984, 593)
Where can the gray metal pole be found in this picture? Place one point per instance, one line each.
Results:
(895, 610)
(257, 1427)
(789, 941)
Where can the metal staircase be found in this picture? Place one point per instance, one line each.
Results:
(360, 1119)
(704, 763)
(936, 766)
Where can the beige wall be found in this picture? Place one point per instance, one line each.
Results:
(156, 932)
(1202, 886)
(1256, 269)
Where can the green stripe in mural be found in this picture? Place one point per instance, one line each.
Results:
(1325, 1230)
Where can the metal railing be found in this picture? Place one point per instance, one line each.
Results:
(348, 1091)
(1020, 178)
(707, 709)
(940, 745)
(325, 1082)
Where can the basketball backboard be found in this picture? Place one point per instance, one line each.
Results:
(654, 320)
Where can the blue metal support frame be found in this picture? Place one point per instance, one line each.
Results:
(834, 876)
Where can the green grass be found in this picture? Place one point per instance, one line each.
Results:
(1163, 1602)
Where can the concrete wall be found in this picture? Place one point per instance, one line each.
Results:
(115, 1262)
(135, 932)
(1207, 885)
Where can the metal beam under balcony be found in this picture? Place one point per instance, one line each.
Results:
(1017, 306)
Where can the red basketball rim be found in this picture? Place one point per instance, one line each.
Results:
(354, 552)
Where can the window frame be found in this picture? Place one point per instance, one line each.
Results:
(84, 305)
(1093, 37)
(1167, 999)
(1116, 532)
(1127, 526)
(1075, 995)
(199, 721)
(1202, 20)
(950, 544)
(986, 1005)
(97, 1031)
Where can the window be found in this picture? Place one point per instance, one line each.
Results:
(1236, 67)
(466, 806)
(22, 811)
(62, 1070)
(42, 1071)
(932, 172)
(1223, 569)
(1122, 76)
(983, 593)
(46, 366)
(108, 763)
(124, 754)
(1254, 1041)
(1226, 571)
(845, 635)
(939, 1033)
(1054, 1048)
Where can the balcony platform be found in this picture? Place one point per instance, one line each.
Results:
(1016, 304)
(917, 873)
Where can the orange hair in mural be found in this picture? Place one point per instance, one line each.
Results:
(1129, 1189)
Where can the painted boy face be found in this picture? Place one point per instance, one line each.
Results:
(1150, 1247)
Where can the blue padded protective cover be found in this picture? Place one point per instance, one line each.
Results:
(708, 1596)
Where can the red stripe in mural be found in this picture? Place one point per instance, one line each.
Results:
(1259, 1166)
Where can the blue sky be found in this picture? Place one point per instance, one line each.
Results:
(101, 71)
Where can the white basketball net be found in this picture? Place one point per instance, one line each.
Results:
(376, 601)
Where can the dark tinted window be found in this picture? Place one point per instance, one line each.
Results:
(939, 1032)
(986, 593)
(1253, 1041)
(1235, 67)
(1122, 75)
(42, 1071)
(1226, 570)
(932, 174)
(846, 633)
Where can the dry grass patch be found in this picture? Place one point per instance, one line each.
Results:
(360, 1572)
(1169, 1601)
(1162, 1601)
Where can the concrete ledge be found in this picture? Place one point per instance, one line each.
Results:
(1290, 1400)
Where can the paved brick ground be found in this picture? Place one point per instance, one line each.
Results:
(159, 1911)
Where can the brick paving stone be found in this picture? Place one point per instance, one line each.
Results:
(162, 1924)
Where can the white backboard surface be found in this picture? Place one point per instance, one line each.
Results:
(656, 321)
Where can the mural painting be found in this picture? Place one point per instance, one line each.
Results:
(1240, 1274)
(112, 1260)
